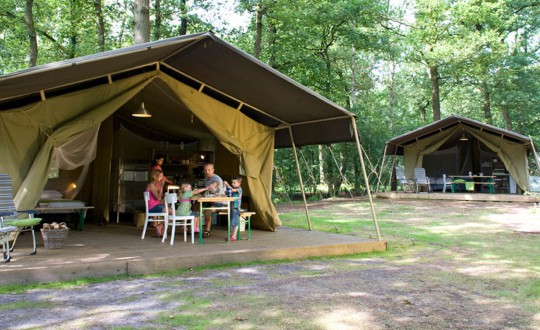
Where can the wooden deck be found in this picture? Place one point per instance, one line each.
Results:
(460, 196)
(119, 250)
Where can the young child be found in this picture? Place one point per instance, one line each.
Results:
(184, 208)
(236, 191)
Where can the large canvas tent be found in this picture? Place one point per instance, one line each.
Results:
(195, 86)
(459, 145)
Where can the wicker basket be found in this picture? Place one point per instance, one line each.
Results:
(54, 238)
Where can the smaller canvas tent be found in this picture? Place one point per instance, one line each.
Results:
(458, 145)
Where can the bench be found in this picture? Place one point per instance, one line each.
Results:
(244, 217)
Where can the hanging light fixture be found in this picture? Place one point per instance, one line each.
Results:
(464, 137)
(141, 111)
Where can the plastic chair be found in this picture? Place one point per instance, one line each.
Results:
(158, 217)
(421, 179)
(177, 220)
(447, 183)
(9, 217)
(406, 184)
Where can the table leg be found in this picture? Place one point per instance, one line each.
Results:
(81, 219)
(201, 217)
(228, 222)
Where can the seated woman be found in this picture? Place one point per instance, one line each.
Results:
(155, 204)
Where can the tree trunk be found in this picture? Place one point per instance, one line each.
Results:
(141, 17)
(183, 18)
(31, 30)
(487, 104)
(271, 43)
(391, 96)
(258, 28)
(435, 95)
(157, 22)
(73, 19)
(352, 92)
(322, 177)
(507, 119)
(100, 25)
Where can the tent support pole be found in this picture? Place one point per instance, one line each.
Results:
(392, 172)
(535, 155)
(365, 178)
(382, 169)
(300, 178)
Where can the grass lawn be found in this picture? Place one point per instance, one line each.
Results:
(496, 245)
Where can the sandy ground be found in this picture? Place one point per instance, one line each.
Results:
(428, 288)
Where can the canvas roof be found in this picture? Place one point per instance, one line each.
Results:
(202, 61)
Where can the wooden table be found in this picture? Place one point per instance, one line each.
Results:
(226, 201)
(488, 180)
(80, 210)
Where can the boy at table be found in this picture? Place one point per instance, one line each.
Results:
(236, 191)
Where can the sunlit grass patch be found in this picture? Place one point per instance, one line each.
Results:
(26, 305)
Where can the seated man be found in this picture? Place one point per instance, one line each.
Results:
(214, 185)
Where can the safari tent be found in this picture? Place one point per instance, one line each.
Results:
(198, 87)
(457, 145)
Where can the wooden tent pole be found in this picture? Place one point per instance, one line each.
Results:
(300, 177)
(392, 172)
(535, 156)
(366, 178)
(382, 168)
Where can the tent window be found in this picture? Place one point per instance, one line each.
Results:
(220, 97)
(77, 87)
(131, 73)
(21, 102)
(258, 116)
(181, 78)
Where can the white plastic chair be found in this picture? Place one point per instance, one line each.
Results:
(421, 179)
(159, 217)
(406, 184)
(178, 220)
(447, 183)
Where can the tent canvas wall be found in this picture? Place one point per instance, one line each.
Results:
(439, 148)
(196, 86)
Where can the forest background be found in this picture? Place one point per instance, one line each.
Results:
(396, 64)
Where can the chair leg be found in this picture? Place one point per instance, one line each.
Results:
(5, 248)
(173, 232)
(34, 241)
(144, 229)
(165, 229)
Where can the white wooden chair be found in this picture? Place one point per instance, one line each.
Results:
(148, 217)
(420, 179)
(178, 220)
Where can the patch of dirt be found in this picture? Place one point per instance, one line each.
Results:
(428, 288)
